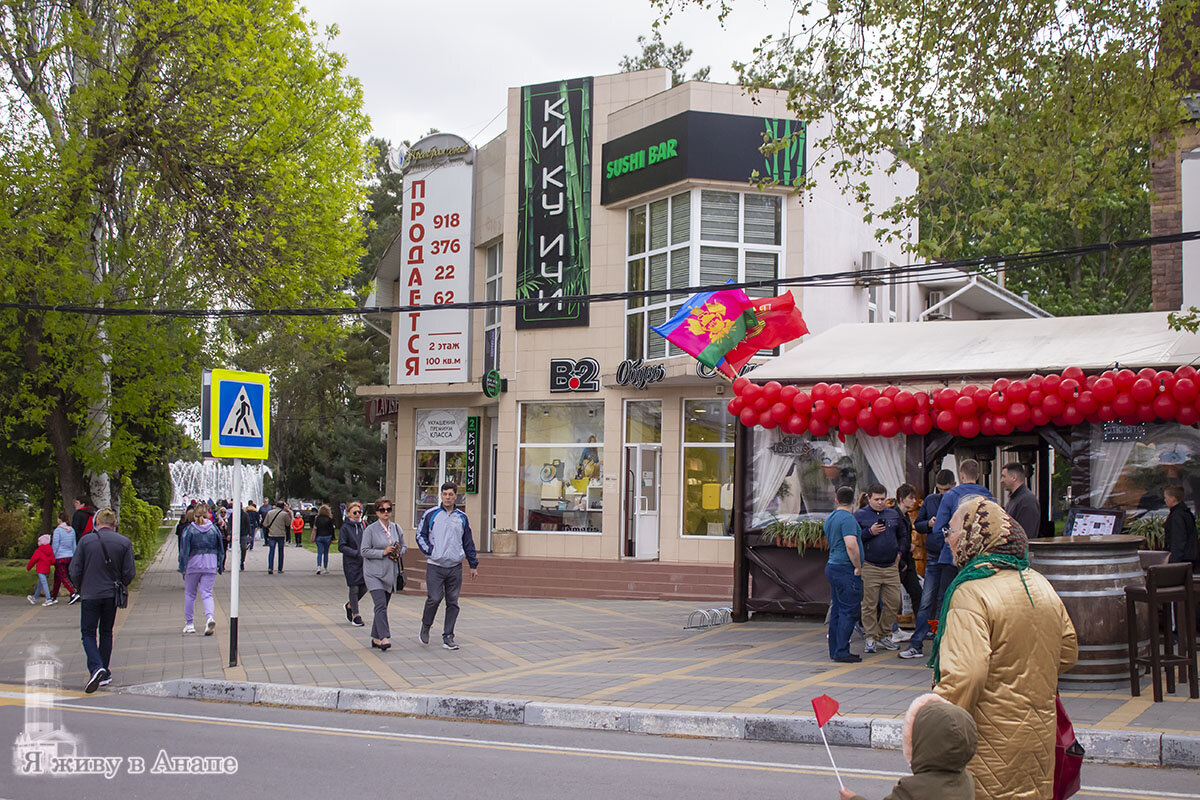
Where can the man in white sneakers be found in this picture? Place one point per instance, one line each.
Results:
(444, 536)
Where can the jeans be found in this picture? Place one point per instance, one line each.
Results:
(910, 582)
(95, 614)
(845, 592)
(323, 543)
(929, 593)
(61, 567)
(379, 626)
(275, 543)
(356, 593)
(442, 582)
(42, 587)
(204, 582)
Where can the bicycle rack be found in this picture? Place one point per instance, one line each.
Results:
(708, 618)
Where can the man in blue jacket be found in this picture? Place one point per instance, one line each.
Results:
(444, 536)
(933, 548)
(882, 530)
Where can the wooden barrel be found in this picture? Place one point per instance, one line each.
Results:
(1090, 574)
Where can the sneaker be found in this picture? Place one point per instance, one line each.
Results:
(270, 572)
(318, 571)
(423, 636)
(107, 679)
(189, 628)
(912, 652)
(869, 647)
(901, 636)
(357, 622)
(887, 643)
(349, 616)
(74, 599)
(859, 629)
(850, 659)
(50, 602)
(32, 602)
(210, 626)
(449, 643)
(94, 682)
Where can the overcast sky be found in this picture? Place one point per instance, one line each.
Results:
(449, 64)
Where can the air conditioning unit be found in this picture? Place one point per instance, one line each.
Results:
(934, 297)
(868, 263)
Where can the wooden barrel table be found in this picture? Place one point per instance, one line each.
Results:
(1090, 574)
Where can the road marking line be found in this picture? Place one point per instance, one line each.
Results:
(1126, 713)
(622, 614)
(527, 618)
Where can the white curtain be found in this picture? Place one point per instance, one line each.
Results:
(769, 471)
(885, 457)
(1108, 460)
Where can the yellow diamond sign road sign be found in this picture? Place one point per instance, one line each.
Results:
(236, 414)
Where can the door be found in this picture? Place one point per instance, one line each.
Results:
(645, 462)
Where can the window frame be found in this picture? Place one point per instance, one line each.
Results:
(488, 280)
(683, 445)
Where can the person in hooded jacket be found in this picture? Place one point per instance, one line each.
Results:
(349, 540)
(939, 739)
(201, 559)
(1179, 531)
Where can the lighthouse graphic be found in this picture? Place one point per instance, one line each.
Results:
(43, 737)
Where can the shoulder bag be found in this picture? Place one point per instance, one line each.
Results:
(120, 590)
(400, 579)
(1068, 756)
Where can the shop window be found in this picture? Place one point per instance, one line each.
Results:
(561, 467)
(491, 320)
(1129, 469)
(643, 422)
(740, 238)
(708, 429)
(440, 455)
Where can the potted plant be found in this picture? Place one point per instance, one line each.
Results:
(504, 542)
(801, 534)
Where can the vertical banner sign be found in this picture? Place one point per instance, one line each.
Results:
(436, 248)
(471, 477)
(554, 203)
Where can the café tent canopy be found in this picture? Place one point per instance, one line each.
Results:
(953, 350)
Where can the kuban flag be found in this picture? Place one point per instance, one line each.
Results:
(710, 324)
(777, 321)
(824, 707)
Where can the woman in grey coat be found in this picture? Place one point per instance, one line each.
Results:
(381, 548)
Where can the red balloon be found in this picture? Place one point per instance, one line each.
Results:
(922, 424)
(1019, 413)
(969, 390)
(872, 429)
(981, 398)
(968, 428)
(889, 427)
(1125, 379)
(818, 429)
(847, 427)
(1050, 384)
(796, 424)
(771, 390)
(1106, 413)
(869, 393)
(780, 412)
(924, 403)
(822, 412)
(1004, 426)
(964, 407)
(787, 393)
(736, 405)
(906, 424)
(905, 403)
(1187, 415)
(1105, 390)
(835, 393)
(1142, 391)
(802, 403)
(1040, 417)
(1185, 390)
(1124, 406)
(997, 402)
(751, 392)
(761, 403)
(1090, 381)
(891, 391)
(884, 407)
(1086, 403)
(988, 426)
(1165, 407)
(847, 407)
(1147, 373)
(1073, 373)
(1164, 381)
(1053, 405)
(1069, 389)
(1036, 396)
(1034, 382)
(865, 418)
(1187, 371)
(946, 420)
(749, 417)
(1001, 384)
(1146, 413)
(1018, 391)
(820, 390)
(740, 384)
(1071, 415)
(855, 390)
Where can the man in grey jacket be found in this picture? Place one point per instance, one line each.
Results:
(444, 536)
(94, 577)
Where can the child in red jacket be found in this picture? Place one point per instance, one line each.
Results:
(43, 559)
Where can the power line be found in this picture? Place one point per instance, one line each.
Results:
(901, 274)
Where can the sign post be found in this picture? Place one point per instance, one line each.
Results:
(235, 412)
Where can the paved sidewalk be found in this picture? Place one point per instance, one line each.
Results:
(619, 653)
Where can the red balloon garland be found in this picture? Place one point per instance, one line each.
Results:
(1069, 398)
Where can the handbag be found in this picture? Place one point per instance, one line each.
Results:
(120, 590)
(1068, 756)
(400, 579)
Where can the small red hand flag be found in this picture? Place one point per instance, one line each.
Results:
(824, 707)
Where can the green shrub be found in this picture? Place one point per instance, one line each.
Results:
(139, 520)
(18, 533)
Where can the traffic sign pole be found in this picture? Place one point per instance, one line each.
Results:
(235, 545)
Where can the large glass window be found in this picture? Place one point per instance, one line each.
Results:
(696, 238)
(491, 319)
(440, 455)
(707, 468)
(561, 472)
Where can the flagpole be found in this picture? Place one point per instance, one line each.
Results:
(830, 752)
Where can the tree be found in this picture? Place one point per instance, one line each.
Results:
(655, 53)
(1031, 125)
(183, 154)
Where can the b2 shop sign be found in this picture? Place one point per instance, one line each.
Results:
(569, 375)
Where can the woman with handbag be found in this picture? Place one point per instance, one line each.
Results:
(381, 549)
(1004, 640)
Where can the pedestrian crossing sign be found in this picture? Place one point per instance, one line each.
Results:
(236, 414)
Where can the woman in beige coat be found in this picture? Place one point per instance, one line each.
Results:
(1005, 640)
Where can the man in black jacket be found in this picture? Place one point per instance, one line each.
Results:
(1022, 504)
(929, 608)
(1180, 530)
(81, 520)
(94, 576)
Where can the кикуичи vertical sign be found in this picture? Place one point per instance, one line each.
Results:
(554, 203)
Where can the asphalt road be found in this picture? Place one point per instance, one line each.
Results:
(300, 754)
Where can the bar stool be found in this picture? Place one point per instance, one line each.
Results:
(1167, 586)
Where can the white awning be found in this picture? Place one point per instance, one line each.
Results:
(953, 351)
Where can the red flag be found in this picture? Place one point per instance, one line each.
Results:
(779, 322)
(824, 707)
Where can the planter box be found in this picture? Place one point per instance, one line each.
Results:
(504, 543)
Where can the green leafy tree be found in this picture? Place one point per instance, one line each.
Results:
(655, 53)
(159, 154)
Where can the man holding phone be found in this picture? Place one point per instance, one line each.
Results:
(881, 534)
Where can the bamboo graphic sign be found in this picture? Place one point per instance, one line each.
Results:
(554, 203)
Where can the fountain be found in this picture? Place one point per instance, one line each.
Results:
(202, 480)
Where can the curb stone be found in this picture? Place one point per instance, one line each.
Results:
(1121, 746)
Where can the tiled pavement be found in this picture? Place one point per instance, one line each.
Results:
(627, 653)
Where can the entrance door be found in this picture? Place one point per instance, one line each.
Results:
(643, 469)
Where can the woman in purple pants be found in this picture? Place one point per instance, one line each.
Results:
(201, 560)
